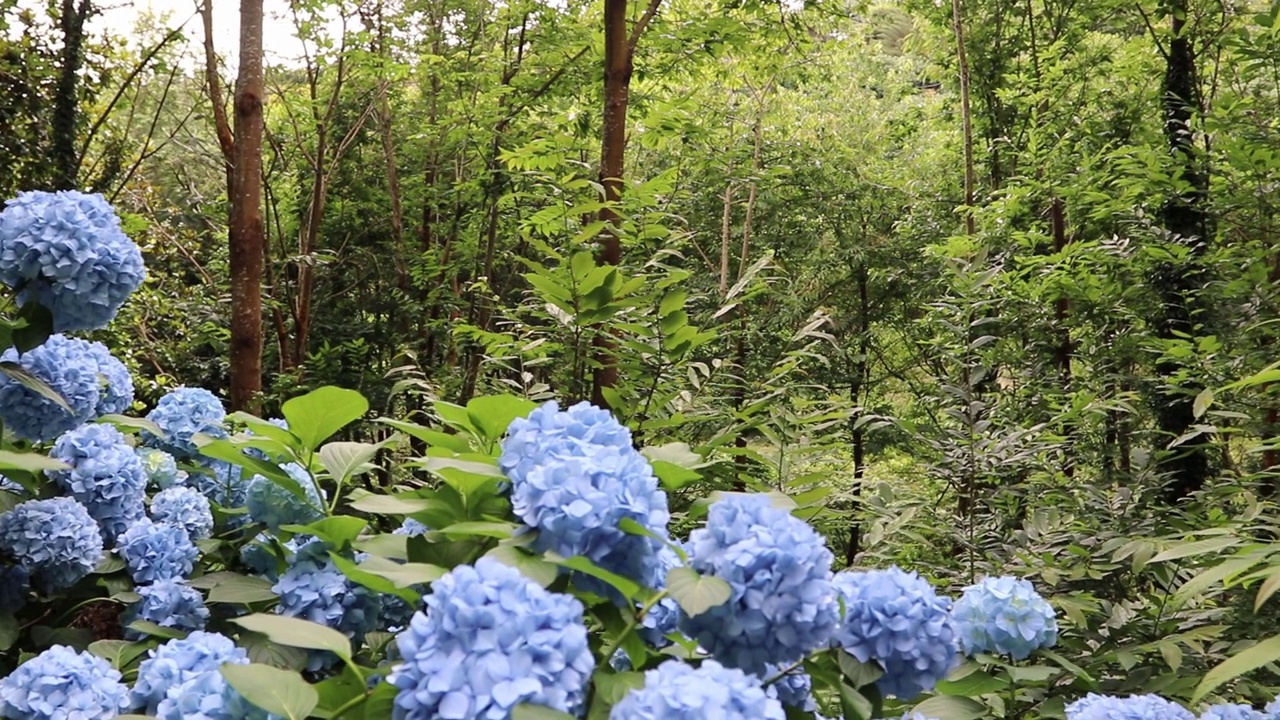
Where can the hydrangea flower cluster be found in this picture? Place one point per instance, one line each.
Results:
(155, 552)
(273, 505)
(897, 619)
(61, 683)
(182, 414)
(548, 432)
(1230, 711)
(491, 639)
(67, 366)
(186, 508)
(169, 603)
(178, 661)
(783, 603)
(677, 691)
(115, 384)
(1004, 615)
(162, 469)
(795, 689)
(1134, 707)
(208, 696)
(396, 611)
(314, 589)
(106, 476)
(663, 618)
(55, 540)
(224, 484)
(575, 478)
(66, 251)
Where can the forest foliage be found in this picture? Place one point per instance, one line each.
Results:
(986, 288)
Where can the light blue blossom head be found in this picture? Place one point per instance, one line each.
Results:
(551, 432)
(411, 528)
(115, 384)
(1134, 707)
(61, 683)
(55, 540)
(67, 366)
(167, 603)
(677, 691)
(186, 508)
(224, 484)
(662, 619)
(577, 502)
(178, 661)
(66, 251)
(782, 605)
(156, 551)
(162, 469)
(793, 690)
(491, 639)
(314, 589)
(1232, 711)
(182, 414)
(1272, 709)
(273, 505)
(106, 476)
(896, 619)
(208, 696)
(1004, 615)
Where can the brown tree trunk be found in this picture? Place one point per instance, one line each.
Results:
(246, 231)
(966, 114)
(857, 385)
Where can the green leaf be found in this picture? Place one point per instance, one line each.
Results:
(124, 422)
(402, 575)
(297, 633)
(338, 691)
(858, 673)
(388, 504)
(479, 528)
(345, 460)
(9, 630)
(374, 582)
(531, 566)
(674, 300)
(29, 462)
(538, 712)
(434, 438)
(853, 705)
(951, 707)
(454, 415)
(119, 652)
(1200, 547)
(314, 417)
(261, 650)
(629, 589)
(1251, 658)
(385, 545)
(696, 593)
(615, 686)
(262, 428)
(1202, 402)
(149, 628)
(33, 383)
(36, 328)
(976, 682)
(237, 589)
(336, 531)
(281, 692)
(672, 476)
(381, 702)
(492, 414)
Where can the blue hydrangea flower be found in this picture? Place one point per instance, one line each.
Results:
(59, 684)
(662, 619)
(1004, 615)
(1230, 711)
(66, 251)
(1134, 707)
(912, 715)
(491, 639)
(795, 689)
(168, 603)
(314, 589)
(208, 696)
(779, 569)
(897, 619)
(182, 414)
(55, 540)
(1273, 709)
(577, 503)
(224, 484)
(10, 486)
(106, 476)
(156, 552)
(115, 384)
(549, 433)
(67, 366)
(178, 661)
(185, 507)
(273, 505)
(162, 469)
(411, 528)
(677, 691)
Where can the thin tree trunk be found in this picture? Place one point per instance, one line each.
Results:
(966, 114)
(246, 232)
(857, 385)
(726, 227)
(66, 99)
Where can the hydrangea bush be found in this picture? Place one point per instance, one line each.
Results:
(199, 564)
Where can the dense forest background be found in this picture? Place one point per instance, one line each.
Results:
(988, 284)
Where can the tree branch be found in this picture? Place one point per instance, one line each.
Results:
(638, 29)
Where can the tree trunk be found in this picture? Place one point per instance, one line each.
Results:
(857, 385)
(1061, 312)
(966, 114)
(1186, 221)
(246, 246)
(66, 100)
